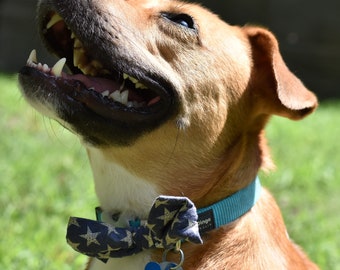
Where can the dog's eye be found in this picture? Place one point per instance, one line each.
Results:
(182, 19)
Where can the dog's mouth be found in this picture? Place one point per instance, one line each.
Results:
(132, 103)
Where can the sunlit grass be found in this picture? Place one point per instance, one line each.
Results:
(45, 178)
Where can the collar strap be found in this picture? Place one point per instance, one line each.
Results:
(171, 219)
(220, 213)
(230, 208)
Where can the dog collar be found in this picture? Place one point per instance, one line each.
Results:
(218, 214)
(230, 208)
(171, 219)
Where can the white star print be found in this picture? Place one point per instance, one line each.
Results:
(128, 239)
(73, 245)
(160, 202)
(90, 237)
(73, 221)
(106, 255)
(168, 216)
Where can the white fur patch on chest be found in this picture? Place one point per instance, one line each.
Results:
(119, 191)
(135, 262)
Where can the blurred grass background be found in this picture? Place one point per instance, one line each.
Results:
(45, 178)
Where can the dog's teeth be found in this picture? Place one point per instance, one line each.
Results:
(76, 58)
(58, 67)
(140, 86)
(116, 96)
(73, 35)
(106, 93)
(55, 19)
(32, 57)
(124, 97)
(87, 70)
(132, 79)
(45, 68)
(77, 44)
(96, 64)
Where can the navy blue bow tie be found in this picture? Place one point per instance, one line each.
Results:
(171, 219)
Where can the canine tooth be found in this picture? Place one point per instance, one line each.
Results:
(106, 93)
(124, 97)
(58, 67)
(55, 19)
(116, 96)
(32, 57)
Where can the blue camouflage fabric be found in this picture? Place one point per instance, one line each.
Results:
(171, 219)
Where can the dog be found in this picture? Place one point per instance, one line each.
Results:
(169, 100)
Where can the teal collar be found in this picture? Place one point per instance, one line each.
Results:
(220, 213)
(230, 208)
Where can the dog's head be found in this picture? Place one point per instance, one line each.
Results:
(164, 81)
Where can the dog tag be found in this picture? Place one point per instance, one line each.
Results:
(162, 266)
(152, 266)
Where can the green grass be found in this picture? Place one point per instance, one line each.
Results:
(45, 178)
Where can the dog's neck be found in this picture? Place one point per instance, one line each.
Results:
(118, 190)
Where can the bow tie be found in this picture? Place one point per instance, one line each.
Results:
(171, 219)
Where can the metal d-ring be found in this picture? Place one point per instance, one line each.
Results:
(177, 249)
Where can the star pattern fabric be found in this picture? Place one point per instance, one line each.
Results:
(171, 219)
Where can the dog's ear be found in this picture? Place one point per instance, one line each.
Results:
(280, 91)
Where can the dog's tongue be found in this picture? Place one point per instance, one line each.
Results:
(98, 84)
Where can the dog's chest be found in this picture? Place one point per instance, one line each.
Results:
(119, 191)
(135, 262)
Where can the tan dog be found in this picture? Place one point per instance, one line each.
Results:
(168, 99)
